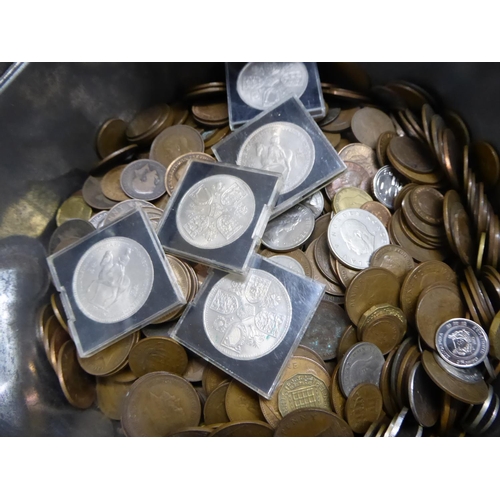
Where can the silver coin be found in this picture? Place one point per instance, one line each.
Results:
(315, 203)
(72, 229)
(215, 211)
(386, 186)
(395, 424)
(353, 235)
(468, 375)
(144, 180)
(247, 317)
(471, 420)
(113, 279)
(462, 342)
(492, 418)
(125, 207)
(288, 263)
(361, 364)
(424, 397)
(98, 219)
(280, 147)
(261, 85)
(290, 229)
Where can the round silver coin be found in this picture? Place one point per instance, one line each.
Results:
(288, 263)
(315, 203)
(247, 317)
(73, 229)
(280, 147)
(261, 85)
(469, 375)
(424, 396)
(125, 207)
(144, 180)
(98, 219)
(386, 185)
(361, 364)
(215, 211)
(113, 279)
(290, 229)
(353, 235)
(462, 342)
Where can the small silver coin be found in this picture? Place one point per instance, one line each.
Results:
(315, 203)
(290, 229)
(125, 207)
(361, 364)
(261, 85)
(386, 186)
(144, 180)
(73, 229)
(469, 375)
(247, 317)
(288, 263)
(462, 342)
(353, 235)
(424, 397)
(280, 147)
(113, 279)
(98, 219)
(215, 211)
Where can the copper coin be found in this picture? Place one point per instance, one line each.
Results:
(210, 112)
(411, 154)
(354, 176)
(110, 396)
(486, 161)
(241, 403)
(368, 124)
(111, 186)
(216, 137)
(393, 258)
(212, 378)
(345, 274)
(93, 195)
(177, 169)
(389, 403)
(193, 432)
(243, 429)
(119, 157)
(111, 137)
(322, 257)
(380, 211)
(453, 160)
(382, 145)
(312, 422)
(494, 336)
(363, 407)
(427, 203)
(338, 399)
(417, 225)
(331, 287)
(306, 352)
(342, 122)
(145, 121)
(348, 339)
(362, 155)
(214, 411)
(57, 307)
(371, 287)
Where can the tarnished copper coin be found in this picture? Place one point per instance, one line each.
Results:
(380, 211)
(363, 407)
(338, 399)
(111, 137)
(394, 259)
(111, 186)
(159, 404)
(494, 336)
(177, 169)
(93, 195)
(411, 154)
(212, 113)
(155, 354)
(214, 411)
(486, 160)
(362, 155)
(243, 429)
(147, 121)
(110, 396)
(312, 422)
(241, 403)
(382, 145)
(212, 378)
(354, 175)
(342, 121)
(57, 307)
(77, 385)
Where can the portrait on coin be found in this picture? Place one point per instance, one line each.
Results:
(357, 237)
(145, 180)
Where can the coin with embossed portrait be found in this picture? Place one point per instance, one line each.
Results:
(280, 147)
(261, 85)
(215, 211)
(113, 279)
(144, 179)
(247, 317)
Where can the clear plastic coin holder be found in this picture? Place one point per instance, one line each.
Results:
(114, 281)
(218, 213)
(256, 87)
(249, 326)
(288, 141)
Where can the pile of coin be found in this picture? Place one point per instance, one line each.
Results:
(397, 346)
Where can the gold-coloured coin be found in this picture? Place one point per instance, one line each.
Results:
(216, 137)
(212, 378)
(214, 411)
(344, 273)
(306, 352)
(350, 197)
(312, 422)
(111, 137)
(242, 404)
(494, 336)
(111, 358)
(379, 211)
(57, 307)
(348, 339)
(243, 429)
(73, 208)
(389, 404)
(51, 328)
(177, 169)
(486, 161)
(338, 399)
(77, 385)
(154, 354)
(195, 368)
(394, 259)
(44, 313)
(381, 147)
(363, 407)
(333, 139)
(110, 396)
(111, 186)
(56, 341)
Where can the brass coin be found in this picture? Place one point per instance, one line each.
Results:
(303, 390)
(242, 404)
(345, 274)
(338, 399)
(354, 176)
(333, 139)
(111, 186)
(394, 259)
(340, 146)
(111, 137)
(368, 124)
(381, 148)
(312, 422)
(217, 137)
(195, 368)
(436, 304)
(408, 127)
(453, 160)
(123, 375)
(306, 352)
(331, 115)
(177, 169)
(110, 396)
(389, 403)
(331, 288)
(369, 288)
(470, 304)
(427, 203)
(57, 307)
(363, 407)
(208, 113)
(212, 378)
(321, 255)
(477, 296)
(411, 154)
(174, 142)
(214, 411)
(119, 157)
(471, 393)
(494, 336)
(427, 114)
(78, 386)
(56, 341)
(380, 211)
(342, 122)
(51, 328)
(415, 124)
(243, 429)
(486, 161)
(348, 339)
(417, 225)
(93, 195)
(362, 155)
(350, 197)
(73, 208)
(296, 365)
(145, 121)
(111, 358)
(159, 404)
(207, 92)
(43, 315)
(402, 194)
(193, 432)
(154, 354)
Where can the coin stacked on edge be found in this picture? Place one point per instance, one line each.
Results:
(405, 241)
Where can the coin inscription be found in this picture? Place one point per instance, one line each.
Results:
(247, 317)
